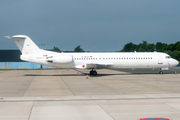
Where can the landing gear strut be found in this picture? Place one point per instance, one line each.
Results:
(160, 72)
(93, 72)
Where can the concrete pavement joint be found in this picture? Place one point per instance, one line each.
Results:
(66, 85)
(31, 111)
(103, 109)
(29, 85)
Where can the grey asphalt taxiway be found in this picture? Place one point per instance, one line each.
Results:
(67, 94)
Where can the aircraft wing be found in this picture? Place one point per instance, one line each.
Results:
(94, 65)
(98, 65)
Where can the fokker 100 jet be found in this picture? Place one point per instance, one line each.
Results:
(30, 52)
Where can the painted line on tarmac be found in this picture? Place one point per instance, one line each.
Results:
(88, 99)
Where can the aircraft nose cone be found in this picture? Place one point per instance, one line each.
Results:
(175, 63)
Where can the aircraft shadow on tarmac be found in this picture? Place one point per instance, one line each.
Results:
(101, 75)
(98, 75)
(76, 75)
(132, 72)
(125, 72)
(54, 75)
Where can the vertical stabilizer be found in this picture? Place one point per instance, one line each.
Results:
(25, 44)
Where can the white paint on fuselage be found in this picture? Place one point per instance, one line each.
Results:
(127, 60)
(119, 60)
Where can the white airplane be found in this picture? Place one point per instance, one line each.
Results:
(30, 52)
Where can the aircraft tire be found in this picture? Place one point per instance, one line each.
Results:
(161, 72)
(94, 73)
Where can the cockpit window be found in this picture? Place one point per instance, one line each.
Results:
(167, 57)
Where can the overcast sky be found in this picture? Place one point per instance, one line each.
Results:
(105, 24)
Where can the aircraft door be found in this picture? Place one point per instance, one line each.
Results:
(160, 61)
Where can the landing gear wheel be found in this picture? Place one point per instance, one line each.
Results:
(91, 72)
(161, 72)
(94, 73)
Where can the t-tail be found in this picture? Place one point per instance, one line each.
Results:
(25, 44)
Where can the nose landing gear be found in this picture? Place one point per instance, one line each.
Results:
(160, 72)
(93, 72)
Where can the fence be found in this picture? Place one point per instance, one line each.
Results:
(21, 65)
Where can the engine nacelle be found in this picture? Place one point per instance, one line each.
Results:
(60, 59)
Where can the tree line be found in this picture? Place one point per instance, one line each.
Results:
(172, 49)
(76, 49)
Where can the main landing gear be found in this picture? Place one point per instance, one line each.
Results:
(93, 72)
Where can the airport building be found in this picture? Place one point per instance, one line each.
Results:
(10, 59)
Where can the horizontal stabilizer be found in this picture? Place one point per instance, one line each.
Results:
(15, 38)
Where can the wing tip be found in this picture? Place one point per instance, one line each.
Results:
(8, 37)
